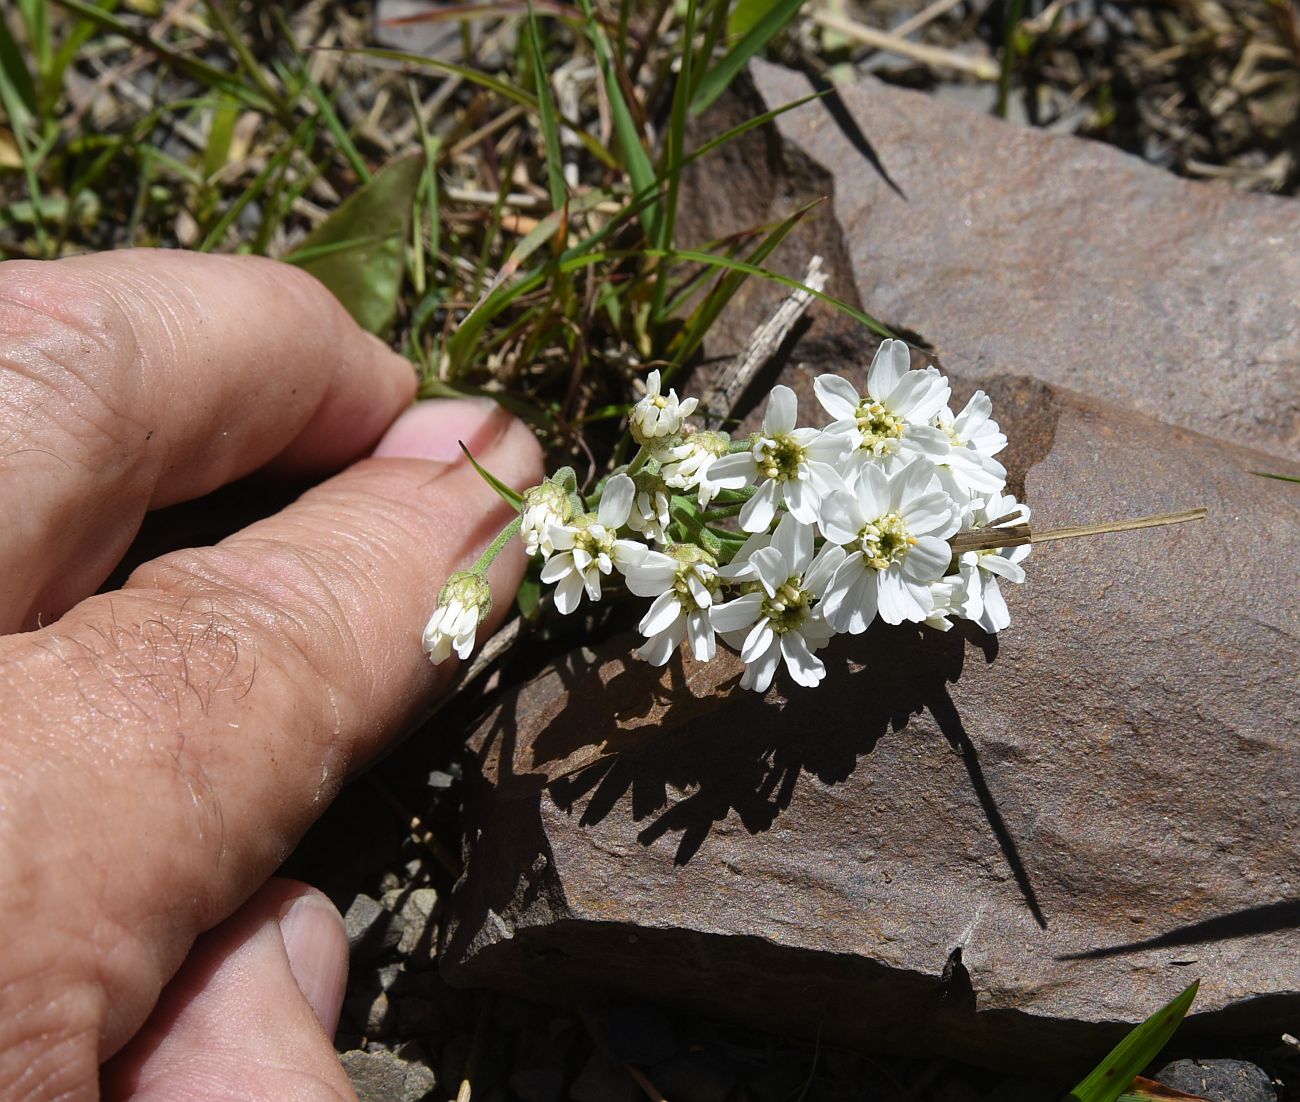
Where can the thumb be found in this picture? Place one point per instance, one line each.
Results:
(251, 1013)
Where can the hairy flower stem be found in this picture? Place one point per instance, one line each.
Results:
(1015, 535)
(494, 548)
(641, 458)
(696, 529)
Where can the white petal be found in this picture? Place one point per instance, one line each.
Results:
(873, 492)
(823, 568)
(772, 569)
(919, 395)
(616, 502)
(805, 667)
(995, 616)
(926, 560)
(649, 577)
(659, 649)
(699, 630)
(738, 614)
(841, 518)
(663, 612)
(996, 564)
(732, 472)
(932, 514)
(782, 409)
(887, 368)
(758, 511)
(898, 600)
(969, 421)
(761, 637)
(561, 537)
(568, 593)
(837, 395)
(763, 668)
(557, 567)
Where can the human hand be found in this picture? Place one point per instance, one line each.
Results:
(164, 746)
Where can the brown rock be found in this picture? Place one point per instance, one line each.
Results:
(996, 848)
(1007, 249)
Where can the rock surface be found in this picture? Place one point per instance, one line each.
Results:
(1007, 249)
(1220, 1080)
(998, 848)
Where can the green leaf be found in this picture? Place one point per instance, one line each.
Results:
(513, 497)
(14, 74)
(359, 251)
(715, 81)
(1114, 1075)
(1279, 477)
(546, 111)
(636, 161)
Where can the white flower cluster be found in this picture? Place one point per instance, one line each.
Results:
(839, 524)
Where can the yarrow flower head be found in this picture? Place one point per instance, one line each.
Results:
(688, 463)
(587, 548)
(463, 603)
(881, 514)
(794, 467)
(893, 417)
(969, 470)
(657, 416)
(894, 531)
(649, 513)
(545, 506)
(980, 595)
(684, 581)
(778, 618)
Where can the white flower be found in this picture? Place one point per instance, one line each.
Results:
(894, 417)
(649, 513)
(586, 547)
(945, 596)
(895, 531)
(463, 603)
(981, 597)
(969, 469)
(655, 417)
(688, 465)
(544, 506)
(777, 620)
(684, 582)
(796, 466)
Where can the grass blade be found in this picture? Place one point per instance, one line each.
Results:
(546, 114)
(359, 251)
(513, 497)
(673, 150)
(1115, 1074)
(636, 162)
(715, 81)
(1278, 477)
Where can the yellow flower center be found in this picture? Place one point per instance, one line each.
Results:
(789, 608)
(781, 458)
(880, 428)
(886, 540)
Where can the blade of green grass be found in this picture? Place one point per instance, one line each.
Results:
(1112, 1077)
(69, 49)
(546, 113)
(512, 496)
(1013, 12)
(714, 82)
(673, 149)
(367, 236)
(1278, 477)
(636, 162)
(248, 64)
(15, 77)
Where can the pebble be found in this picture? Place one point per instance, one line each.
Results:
(1220, 1080)
(369, 927)
(383, 1077)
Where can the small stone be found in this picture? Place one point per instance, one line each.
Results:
(634, 1033)
(544, 1084)
(416, 913)
(1220, 1080)
(440, 780)
(383, 1077)
(368, 927)
(694, 1077)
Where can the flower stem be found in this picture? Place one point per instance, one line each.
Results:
(1015, 535)
(639, 460)
(495, 547)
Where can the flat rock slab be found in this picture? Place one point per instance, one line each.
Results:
(994, 849)
(1008, 249)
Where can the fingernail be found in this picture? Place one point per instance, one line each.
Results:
(317, 947)
(434, 429)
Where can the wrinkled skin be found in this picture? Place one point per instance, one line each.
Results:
(163, 745)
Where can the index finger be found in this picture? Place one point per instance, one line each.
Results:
(140, 378)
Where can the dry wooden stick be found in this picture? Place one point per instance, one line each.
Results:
(932, 56)
(1016, 535)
